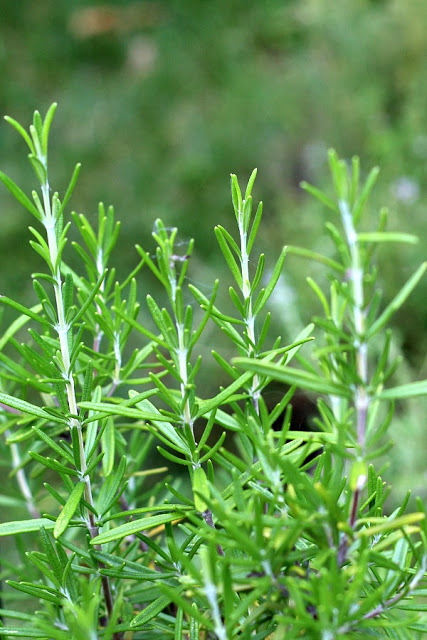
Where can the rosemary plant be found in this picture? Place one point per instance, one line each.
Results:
(260, 531)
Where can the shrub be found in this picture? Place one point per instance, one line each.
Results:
(261, 530)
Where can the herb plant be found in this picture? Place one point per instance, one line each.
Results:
(261, 530)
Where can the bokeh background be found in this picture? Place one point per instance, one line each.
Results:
(160, 100)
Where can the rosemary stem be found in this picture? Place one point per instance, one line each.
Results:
(63, 330)
(361, 397)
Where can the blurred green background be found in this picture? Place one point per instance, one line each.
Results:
(161, 100)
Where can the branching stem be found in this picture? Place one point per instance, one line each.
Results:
(404, 591)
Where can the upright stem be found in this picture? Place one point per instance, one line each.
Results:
(182, 354)
(250, 318)
(361, 398)
(98, 331)
(212, 597)
(63, 328)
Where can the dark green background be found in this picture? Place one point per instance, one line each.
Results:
(161, 100)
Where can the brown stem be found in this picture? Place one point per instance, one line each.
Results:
(207, 517)
(343, 548)
(405, 589)
(9, 409)
(355, 505)
(105, 583)
(382, 607)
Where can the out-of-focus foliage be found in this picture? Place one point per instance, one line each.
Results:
(172, 95)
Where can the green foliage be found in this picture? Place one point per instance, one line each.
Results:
(261, 529)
